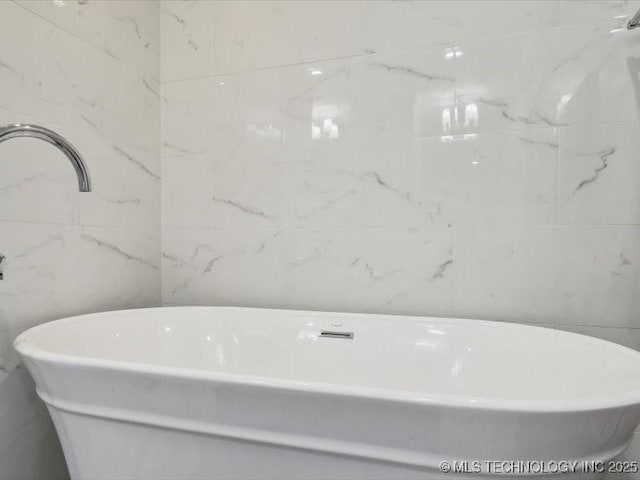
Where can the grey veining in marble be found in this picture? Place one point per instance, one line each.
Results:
(443, 164)
(91, 73)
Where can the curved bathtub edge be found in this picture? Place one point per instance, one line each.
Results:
(613, 401)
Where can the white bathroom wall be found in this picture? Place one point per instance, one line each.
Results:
(474, 159)
(89, 70)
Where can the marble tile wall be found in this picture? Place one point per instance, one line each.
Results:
(471, 159)
(89, 70)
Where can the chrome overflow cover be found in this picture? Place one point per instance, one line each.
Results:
(332, 334)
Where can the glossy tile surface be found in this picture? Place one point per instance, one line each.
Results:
(89, 70)
(498, 155)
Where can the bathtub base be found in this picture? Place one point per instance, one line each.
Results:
(104, 449)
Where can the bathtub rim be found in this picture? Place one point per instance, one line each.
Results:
(629, 399)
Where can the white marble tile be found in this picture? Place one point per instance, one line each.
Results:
(187, 117)
(55, 271)
(571, 12)
(84, 94)
(126, 189)
(249, 35)
(578, 275)
(457, 119)
(492, 18)
(125, 167)
(485, 178)
(249, 190)
(580, 74)
(489, 178)
(489, 75)
(187, 191)
(392, 183)
(222, 114)
(369, 270)
(324, 193)
(38, 280)
(124, 29)
(252, 114)
(90, 72)
(257, 34)
(206, 38)
(319, 30)
(187, 39)
(319, 145)
(115, 269)
(540, 152)
(555, 77)
(390, 25)
(462, 87)
(317, 111)
(223, 267)
(404, 92)
(583, 275)
(64, 81)
(598, 174)
(488, 273)
(237, 122)
(9, 357)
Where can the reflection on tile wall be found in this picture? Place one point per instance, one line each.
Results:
(474, 159)
(91, 72)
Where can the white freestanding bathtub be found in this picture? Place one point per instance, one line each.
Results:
(236, 393)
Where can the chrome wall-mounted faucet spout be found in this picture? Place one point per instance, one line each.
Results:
(23, 130)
